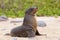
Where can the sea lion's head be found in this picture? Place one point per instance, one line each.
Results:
(31, 11)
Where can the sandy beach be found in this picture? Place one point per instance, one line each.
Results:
(52, 30)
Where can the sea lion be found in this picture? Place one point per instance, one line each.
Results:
(29, 26)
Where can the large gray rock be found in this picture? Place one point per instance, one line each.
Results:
(3, 18)
(41, 23)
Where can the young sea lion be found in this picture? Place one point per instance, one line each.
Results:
(29, 26)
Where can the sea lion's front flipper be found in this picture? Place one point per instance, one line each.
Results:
(38, 34)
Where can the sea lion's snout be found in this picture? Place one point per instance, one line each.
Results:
(35, 10)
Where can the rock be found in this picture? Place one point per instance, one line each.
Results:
(41, 23)
(3, 18)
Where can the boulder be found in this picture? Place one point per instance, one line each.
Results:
(41, 23)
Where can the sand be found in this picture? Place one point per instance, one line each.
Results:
(52, 30)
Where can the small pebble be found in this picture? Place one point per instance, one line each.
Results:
(14, 38)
